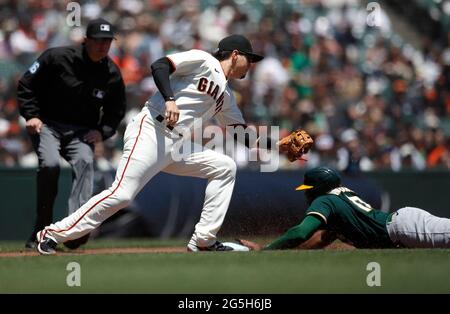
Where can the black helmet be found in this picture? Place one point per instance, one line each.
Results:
(320, 180)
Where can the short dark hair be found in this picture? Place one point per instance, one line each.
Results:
(221, 54)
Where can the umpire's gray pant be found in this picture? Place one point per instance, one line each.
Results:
(415, 228)
(53, 141)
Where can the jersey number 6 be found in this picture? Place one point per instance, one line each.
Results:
(360, 203)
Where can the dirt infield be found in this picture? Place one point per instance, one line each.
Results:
(339, 246)
(125, 250)
(136, 250)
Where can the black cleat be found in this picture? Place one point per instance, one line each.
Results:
(75, 244)
(31, 244)
(31, 241)
(47, 245)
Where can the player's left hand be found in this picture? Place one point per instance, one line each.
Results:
(251, 245)
(93, 136)
(296, 144)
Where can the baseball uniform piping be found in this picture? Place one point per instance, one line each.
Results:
(318, 214)
(118, 185)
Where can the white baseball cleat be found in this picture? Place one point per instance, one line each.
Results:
(236, 247)
(218, 247)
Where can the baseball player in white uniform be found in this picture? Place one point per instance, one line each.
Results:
(197, 89)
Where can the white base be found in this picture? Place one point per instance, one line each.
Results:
(236, 247)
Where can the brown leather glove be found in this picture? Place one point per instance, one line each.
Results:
(296, 144)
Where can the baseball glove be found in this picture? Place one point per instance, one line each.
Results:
(296, 144)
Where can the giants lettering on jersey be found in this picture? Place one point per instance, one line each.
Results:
(208, 86)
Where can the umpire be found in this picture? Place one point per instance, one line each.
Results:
(71, 98)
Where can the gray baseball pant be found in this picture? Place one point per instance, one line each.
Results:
(413, 227)
(51, 143)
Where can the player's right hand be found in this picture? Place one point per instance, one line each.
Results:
(172, 112)
(251, 245)
(34, 126)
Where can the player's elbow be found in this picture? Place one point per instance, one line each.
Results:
(318, 240)
(161, 64)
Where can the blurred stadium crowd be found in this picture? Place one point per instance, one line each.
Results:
(370, 100)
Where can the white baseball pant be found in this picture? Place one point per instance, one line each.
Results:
(147, 150)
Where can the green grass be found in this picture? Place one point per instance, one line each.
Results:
(402, 271)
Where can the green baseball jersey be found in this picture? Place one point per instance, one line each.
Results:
(353, 220)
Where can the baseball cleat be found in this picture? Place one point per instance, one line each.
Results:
(31, 244)
(47, 245)
(31, 241)
(75, 244)
(217, 247)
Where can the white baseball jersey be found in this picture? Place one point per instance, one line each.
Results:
(200, 89)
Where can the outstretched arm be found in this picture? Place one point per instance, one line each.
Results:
(307, 235)
(296, 235)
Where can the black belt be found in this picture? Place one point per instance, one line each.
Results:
(160, 118)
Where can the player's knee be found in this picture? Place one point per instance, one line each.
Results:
(123, 200)
(83, 164)
(228, 166)
(85, 159)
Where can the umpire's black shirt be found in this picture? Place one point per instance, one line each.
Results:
(64, 85)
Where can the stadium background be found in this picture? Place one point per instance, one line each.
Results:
(376, 100)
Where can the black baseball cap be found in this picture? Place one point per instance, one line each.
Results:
(100, 28)
(240, 43)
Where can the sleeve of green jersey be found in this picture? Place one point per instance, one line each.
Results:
(321, 207)
(296, 235)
